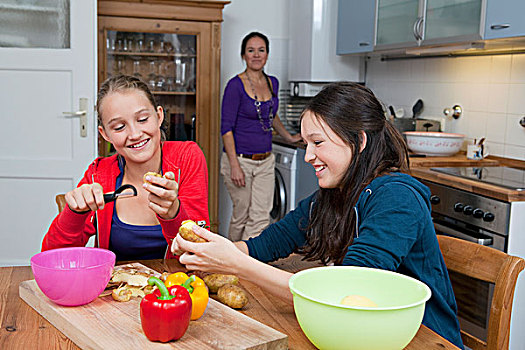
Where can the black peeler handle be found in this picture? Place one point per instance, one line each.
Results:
(110, 197)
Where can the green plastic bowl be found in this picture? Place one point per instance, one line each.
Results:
(328, 324)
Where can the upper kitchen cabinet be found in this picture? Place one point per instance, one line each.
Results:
(173, 46)
(504, 19)
(355, 26)
(397, 23)
(426, 23)
(408, 23)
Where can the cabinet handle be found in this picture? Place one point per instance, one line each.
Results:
(362, 43)
(420, 28)
(417, 28)
(499, 26)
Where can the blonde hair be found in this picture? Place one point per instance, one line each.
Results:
(120, 83)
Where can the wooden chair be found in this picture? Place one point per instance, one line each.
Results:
(61, 202)
(489, 265)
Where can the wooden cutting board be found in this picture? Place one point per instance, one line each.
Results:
(108, 324)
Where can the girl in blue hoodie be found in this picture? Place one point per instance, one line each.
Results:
(366, 212)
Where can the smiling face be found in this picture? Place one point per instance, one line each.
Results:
(132, 124)
(255, 54)
(325, 150)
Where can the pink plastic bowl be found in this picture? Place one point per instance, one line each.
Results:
(73, 276)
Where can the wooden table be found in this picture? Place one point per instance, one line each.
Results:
(23, 328)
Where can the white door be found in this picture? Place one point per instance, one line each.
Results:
(47, 65)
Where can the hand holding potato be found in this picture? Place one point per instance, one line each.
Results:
(85, 198)
(163, 194)
(218, 254)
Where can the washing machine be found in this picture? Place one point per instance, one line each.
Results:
(294, 179)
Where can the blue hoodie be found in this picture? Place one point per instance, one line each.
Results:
(395, 232)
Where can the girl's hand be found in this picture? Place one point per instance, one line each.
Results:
(85, 198)
(237, 176)
(163, 195)
(218, 255)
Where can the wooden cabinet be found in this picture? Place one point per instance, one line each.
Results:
(174, 46)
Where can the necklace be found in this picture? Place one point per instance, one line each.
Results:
(257, 104)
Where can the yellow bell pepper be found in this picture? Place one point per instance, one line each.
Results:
(196, 287)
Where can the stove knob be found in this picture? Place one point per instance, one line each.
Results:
(458, 207)
(435, 199)
(478, 213)
(488, 217)
(467, 210)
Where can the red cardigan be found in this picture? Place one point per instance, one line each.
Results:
(70, 229)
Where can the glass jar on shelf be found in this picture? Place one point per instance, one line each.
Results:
(137, 69)
(152, 75)
(180, 74)
(120, 66)
(160, 80)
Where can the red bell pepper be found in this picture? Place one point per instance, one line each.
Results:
(165, 316)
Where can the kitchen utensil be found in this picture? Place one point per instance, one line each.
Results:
(416, 109)
(110, 197)
(331, 325)
(427, 125)
(73, 276)
(392, 112)
(109, 324)
(434, 143)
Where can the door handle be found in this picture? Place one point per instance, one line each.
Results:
(82, 114)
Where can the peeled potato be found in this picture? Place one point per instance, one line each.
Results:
(358, 300)
(150, 173)
(187, 233)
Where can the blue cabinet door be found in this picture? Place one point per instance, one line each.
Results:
(355, 26)
(505, 18)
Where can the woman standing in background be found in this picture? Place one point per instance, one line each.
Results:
(249, 115)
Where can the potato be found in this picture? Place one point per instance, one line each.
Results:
(233, 296)
(150, 173)
(215, 281)
(187, 233)
(358, 300)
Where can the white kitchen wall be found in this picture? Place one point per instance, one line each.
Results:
(241, 17)
(491, 90)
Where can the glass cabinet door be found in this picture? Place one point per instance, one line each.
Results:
(396, 20)
(167, 64)
(452, 18)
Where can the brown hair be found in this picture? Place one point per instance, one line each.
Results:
(121, 83)
(350, 109)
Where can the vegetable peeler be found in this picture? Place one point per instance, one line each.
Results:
(119, 192)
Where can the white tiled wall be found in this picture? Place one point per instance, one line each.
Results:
(490, 89)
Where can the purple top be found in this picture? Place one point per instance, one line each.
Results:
(240, 116)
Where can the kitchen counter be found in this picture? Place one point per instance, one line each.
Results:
(23, 328)
(420, 168)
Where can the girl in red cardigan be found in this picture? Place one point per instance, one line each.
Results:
(140, 227)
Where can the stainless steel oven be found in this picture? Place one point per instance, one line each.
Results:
(477, 219)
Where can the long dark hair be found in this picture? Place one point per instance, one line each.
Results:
(350, 109)
(267, 44)
(121, 83)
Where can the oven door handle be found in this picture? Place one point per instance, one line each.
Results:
(455, 233)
